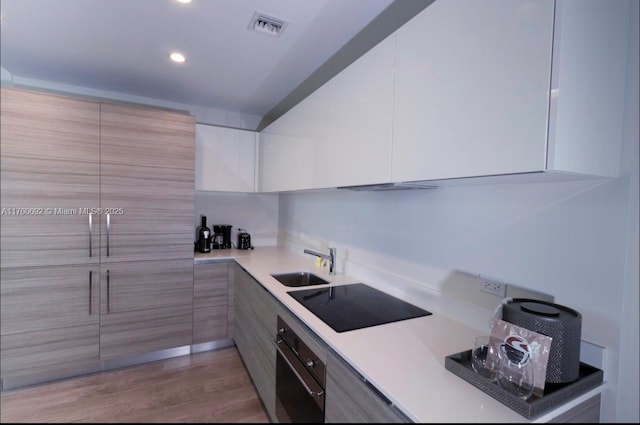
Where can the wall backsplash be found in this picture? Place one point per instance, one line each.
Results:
(256, 213)
(562, 238)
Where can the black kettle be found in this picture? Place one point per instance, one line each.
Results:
(244, 240)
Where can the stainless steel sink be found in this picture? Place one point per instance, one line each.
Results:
(299, 279)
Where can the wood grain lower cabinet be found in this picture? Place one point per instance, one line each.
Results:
(255, 329)
(350, 399)
(231, 319)
(145, 306)
(49, 318)
(210, 302)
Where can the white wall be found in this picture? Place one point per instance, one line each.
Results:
(628, 399)
(256, 213)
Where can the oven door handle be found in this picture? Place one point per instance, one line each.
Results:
(311, 386)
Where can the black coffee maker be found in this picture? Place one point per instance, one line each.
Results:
(203, 236)
(221, 238)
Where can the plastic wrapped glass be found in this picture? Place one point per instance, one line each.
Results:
(515, 371)
(484, 358)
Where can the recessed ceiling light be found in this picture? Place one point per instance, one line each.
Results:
(177, 57)
(184, 1)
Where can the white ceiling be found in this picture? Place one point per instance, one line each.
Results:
(123, 46)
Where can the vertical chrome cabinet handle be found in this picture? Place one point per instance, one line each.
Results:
(108, 293)
(90, 290)
(108, 231)
(90, 235)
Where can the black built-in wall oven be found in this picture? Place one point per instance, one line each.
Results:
(300, 379)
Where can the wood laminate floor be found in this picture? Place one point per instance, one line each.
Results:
(207, 387)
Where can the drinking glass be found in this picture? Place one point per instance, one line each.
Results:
(515, 372)
(484, 358)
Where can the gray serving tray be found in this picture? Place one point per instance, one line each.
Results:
(554, 394)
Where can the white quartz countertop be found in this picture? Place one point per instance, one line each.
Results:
(404, 360)
(217, 255)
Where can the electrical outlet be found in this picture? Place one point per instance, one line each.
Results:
(493, 286)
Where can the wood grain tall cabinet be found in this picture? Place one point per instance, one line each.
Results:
(147, 159)
(50, 168)
(66, 304)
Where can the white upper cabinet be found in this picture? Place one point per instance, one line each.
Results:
(506, 87)
(340, 135)
(288, 146)
(524, 88)
(588, 86)
(358, 148)
(472, 89)
(225, 159)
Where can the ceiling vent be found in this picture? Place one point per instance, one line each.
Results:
(268, 25)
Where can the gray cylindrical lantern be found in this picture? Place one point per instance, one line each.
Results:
(562, 324)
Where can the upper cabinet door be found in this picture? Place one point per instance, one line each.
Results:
(340, 135)
(146, 137)
(50, 179)
(588, 86)
(225, 159)
(472, 89)
(147, 213)
(290, 145)
(147, 184)
(358, 147)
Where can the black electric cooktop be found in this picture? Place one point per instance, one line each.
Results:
(355, 306)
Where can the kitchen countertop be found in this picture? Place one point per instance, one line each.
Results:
(404, 360)
(217, 255)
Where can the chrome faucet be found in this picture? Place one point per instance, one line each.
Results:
(331, 257)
